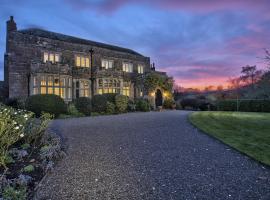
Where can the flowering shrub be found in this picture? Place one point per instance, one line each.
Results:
(12, 125)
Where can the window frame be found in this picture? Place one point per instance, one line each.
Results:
(49, 56)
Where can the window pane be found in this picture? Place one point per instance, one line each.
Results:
(110, 64)
(56, 90)
(62, 82)
(50, 81)
(69, 93)
(45, 57)
(56, 57)
(34, 81)
(35, 91)
(62, 93)
(42, 90)
(43, 80)
(82, 62)
(56, 81)
(52, 57)
(103, 63)
(99, 91)
(87, 62)
(78, 61)
(50, 90)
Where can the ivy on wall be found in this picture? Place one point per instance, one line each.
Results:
(154, 80)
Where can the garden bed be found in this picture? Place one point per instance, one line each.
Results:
(28, 151)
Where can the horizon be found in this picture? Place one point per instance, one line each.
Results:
(199, 44)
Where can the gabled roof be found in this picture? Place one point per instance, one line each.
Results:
(72, 39)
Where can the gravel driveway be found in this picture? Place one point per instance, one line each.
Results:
(156, 155)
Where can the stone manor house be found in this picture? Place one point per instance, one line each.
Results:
(42, 62)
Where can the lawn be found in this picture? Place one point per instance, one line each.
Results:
(247, 132)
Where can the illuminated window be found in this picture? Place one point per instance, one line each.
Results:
(126, 89)
(140, 69)
(53, 84)
(78, 61)
(108, 86)
(52, 57)
(127, 67)
(82, 61)
(45, 57)
(107, 64)
(56, 58)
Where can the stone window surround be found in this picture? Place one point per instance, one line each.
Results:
(54, 53)
(36, 85)
(82, 56)
(108, 62)
(127, 67)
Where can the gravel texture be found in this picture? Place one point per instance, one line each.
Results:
(156, 155)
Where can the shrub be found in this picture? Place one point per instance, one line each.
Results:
(35, 128)
(168, 104)
(48, 103)
(131, 106)
(83, 105)
(178, 105)
(18, 103)
(72, 111)
(110, 108)
(121, 103)
(99, 103)
(10, 193)
(29, 168)
(12, 125)
(142, 105)
(190, 102)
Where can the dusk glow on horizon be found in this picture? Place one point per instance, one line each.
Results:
(199, 43)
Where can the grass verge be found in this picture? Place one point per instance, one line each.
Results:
(247, 132)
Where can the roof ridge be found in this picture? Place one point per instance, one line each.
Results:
(73, 39)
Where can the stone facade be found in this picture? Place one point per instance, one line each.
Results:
(39, 61)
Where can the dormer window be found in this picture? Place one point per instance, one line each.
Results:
(82, 61)
(127, 67)
(140, 69)
(107, 64)
(52, 57)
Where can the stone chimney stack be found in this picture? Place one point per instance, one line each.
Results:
(11, 26)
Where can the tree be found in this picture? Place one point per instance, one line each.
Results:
(250, 75)
(219, 88)
(267, 56)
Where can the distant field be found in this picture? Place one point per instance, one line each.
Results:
(247, 132)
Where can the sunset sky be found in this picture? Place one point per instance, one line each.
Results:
(198, 42)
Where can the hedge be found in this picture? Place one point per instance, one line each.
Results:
(83, 105)
(244, 105)
(48, 103)
(142, 105)
(168, 104)
(99, 102)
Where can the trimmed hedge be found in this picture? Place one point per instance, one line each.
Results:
(244, 105)
(110, 108)
(121, 103)
(48, 103)
(83, 105)
(142, 105)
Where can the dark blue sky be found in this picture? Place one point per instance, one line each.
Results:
(197, 42)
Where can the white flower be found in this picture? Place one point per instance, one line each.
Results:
(25, 116)
(21, 135)
(15, 113)
(17, 127)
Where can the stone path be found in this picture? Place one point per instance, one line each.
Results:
(156, 155)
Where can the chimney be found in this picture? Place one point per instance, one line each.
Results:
(11, 25)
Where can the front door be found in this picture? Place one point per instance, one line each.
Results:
(158, 99)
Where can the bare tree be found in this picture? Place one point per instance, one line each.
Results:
(250, 75)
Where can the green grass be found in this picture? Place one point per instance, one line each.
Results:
(246, 132)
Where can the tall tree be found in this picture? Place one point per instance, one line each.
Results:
(250, 75)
